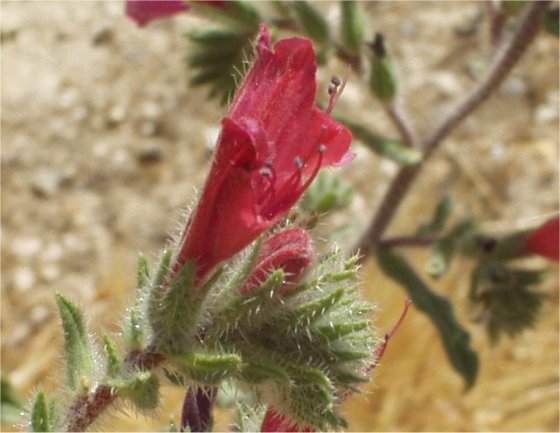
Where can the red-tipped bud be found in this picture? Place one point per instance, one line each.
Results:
(289, 250)
(274, 422)
(544, 240)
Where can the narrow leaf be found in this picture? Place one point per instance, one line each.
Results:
(439, 219)
(455, 338)
(113, 360)
(391, 148)
(142, 389)
(209, 369)
(313, 310)
(40, 421)
(352, 26)
(311, 21)
(11, 404)
(79, 356)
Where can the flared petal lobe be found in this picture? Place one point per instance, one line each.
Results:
(144, 11)
(273, 142)
(545, 239)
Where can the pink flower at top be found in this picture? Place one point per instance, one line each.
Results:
(289, 250)
(274, 422)
(544, 240)
(273, 142)
(144, 11)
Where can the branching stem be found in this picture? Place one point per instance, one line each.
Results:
(87, 408)
(503, 63)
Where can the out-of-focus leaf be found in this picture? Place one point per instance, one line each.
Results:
(217, 57)
(444, 249)
(11, 404)
(312, 22)
(40, 420)
(352, 26)
(551, 21)
(439, 219)
(391, 148)
(455, 338)
(509, 303)
(382, 78)
(237, 15)
(328, 192)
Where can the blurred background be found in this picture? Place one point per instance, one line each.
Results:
(104, 144)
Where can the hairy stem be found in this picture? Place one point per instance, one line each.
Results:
(503, 63)
(87, 408)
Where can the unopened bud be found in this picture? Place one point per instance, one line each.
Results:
(289, 250)
(382, 79)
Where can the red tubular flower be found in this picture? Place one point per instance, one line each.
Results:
(544, 240)
(289, 250)
(144, 11)
(273, 142)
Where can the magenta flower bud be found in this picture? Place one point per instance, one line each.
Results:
(144, 11)
(289, 250)
(544, 240)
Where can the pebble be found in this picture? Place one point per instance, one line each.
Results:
(102, 35)
(117, 114)
(514, 87)
(149, 154)
(49, 272)
(26, 247)
(53, 252)
(45, 182)
(151, 110)
(23, 279)
(148, 129)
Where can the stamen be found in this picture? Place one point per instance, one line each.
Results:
(335, 90)
(322, 148)
(298, 163)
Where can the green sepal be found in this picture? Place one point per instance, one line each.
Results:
(208, 369)
(328, 192)
(143, 273)
(313, 310)
(350, 355)
(254, 372)
(79, 354)
(249, 418)
(335, 331)
(245, 269)
(439, 219)
(40, 417)
(352, 26)
(455, 338)
(141, 388)
(307, 375)
(348, 378)
(242, 310)
(311, 21)
(391, 148)
(382, 77)
(113, 360)
(11, 406)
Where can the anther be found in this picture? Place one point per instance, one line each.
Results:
(268, 164)
(265, 171)
(322, 148)
(335, 81)
(298, 163)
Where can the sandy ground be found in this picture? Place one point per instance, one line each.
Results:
(103, 144)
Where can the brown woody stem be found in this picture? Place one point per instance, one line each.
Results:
(87, 408)
(505, 60)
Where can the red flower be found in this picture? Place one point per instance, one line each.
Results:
(144, 11)
(274, 422)
(289, 250)
(273, 142)
(544, 240)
